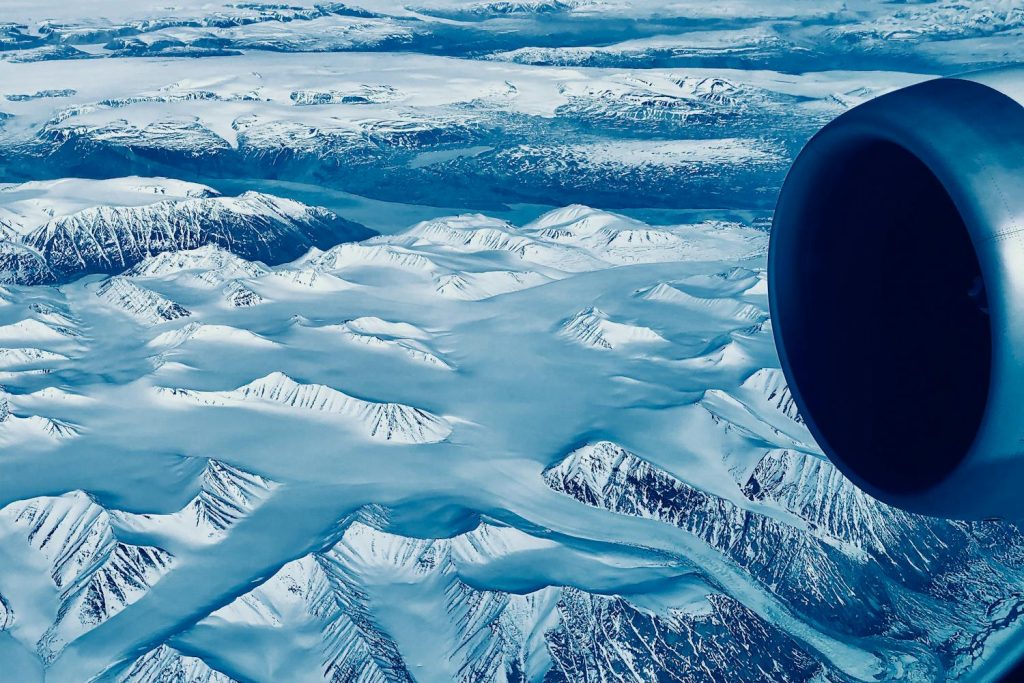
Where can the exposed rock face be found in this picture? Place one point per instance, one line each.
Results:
(393, 422)
(167, 665)
(539, 436)
(96, 575)
(144, 305)
(553, 634)
(255, 226)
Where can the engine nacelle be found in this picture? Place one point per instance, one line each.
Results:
(896, 284)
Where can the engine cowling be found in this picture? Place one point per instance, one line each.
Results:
(896, 285)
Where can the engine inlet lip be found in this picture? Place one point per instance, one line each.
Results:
(941, 123)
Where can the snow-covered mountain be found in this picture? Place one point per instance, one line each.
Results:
(525, 425)
(380, 421)
(94, 574)
(382, 126)
(382, 481)
(487, 634)
(226, 496)
(111, 238)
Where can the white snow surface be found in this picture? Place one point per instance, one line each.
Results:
(535, 431)
(386, 481)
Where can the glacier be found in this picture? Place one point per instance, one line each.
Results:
(429, 341)
(408, 460)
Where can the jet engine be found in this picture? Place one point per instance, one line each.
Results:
(896, 285)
